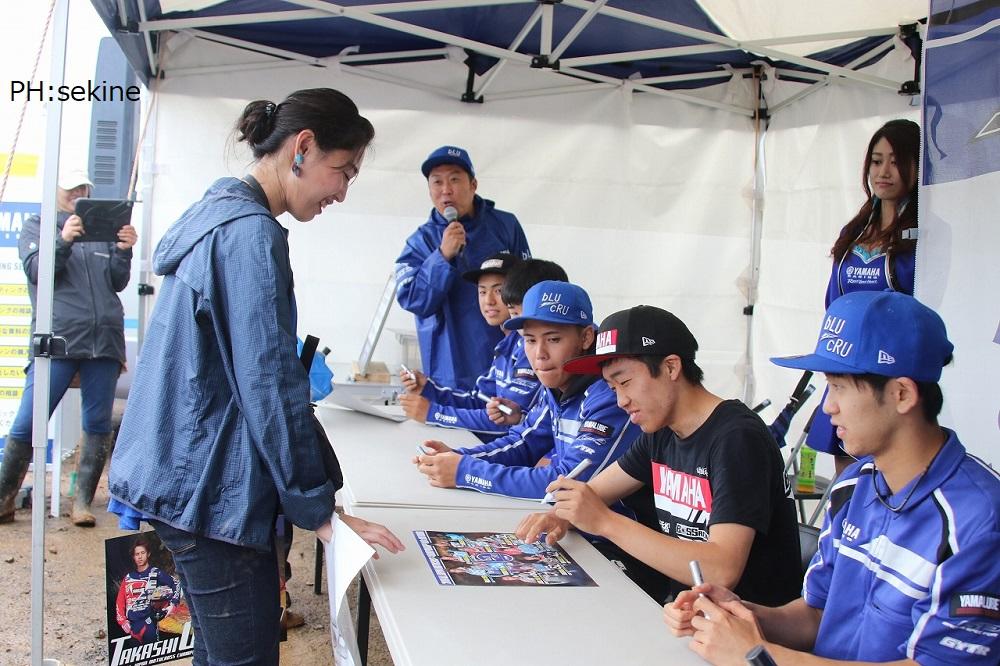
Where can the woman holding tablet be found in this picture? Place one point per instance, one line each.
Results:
(87, 313)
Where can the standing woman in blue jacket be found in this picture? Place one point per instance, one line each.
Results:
(456, 343)
(86, 312)
(876, 250)
(217, 434)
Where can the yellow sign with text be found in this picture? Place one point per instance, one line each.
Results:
(15, 309)
(13, 290)
(25, 165)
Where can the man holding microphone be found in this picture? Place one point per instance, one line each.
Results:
(463, 229)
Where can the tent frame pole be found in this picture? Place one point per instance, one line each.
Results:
(514, 45)
(42, 339)
(575, 31)
(760, 121)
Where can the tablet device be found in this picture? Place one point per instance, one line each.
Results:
(102, 218)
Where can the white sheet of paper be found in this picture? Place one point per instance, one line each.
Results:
(345, 555)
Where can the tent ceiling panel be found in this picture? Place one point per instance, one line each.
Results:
(648, 45)
(764, 19)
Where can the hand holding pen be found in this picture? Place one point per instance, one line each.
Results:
(575, 472)
(698, 579)
(506, 409)
(413, 380)
(577, 502)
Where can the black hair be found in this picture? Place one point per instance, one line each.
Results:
(931, 397)
(694, 374)
(525, 275)
(329, 113)
(904, 137)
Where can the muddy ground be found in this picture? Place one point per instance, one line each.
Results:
(75, 614)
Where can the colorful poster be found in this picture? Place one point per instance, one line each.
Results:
(148, 618)
(488, 558)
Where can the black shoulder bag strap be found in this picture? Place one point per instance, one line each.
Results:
(330, 463)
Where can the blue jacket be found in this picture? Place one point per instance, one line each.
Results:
(584, 422)
(456, 343)
(509, 377)
(921, 583)
(217, 430)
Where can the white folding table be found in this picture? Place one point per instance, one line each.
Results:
(428, 623)
(376, 457)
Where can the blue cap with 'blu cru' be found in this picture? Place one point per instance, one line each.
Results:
(881, 333)
(555, 302)
(448, 155)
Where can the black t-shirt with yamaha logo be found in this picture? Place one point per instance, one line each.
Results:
(728, 471)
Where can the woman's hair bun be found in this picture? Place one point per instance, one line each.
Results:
(256, 122)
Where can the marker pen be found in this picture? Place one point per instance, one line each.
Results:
(408, 372)
(698, 578)
(575, 472)
(502, 407)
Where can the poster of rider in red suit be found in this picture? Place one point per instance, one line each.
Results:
(148, 619)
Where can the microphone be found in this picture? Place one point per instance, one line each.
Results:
(451, 214)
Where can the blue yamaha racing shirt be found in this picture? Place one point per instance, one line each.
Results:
(509, 377)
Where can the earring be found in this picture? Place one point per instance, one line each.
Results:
(297, 164)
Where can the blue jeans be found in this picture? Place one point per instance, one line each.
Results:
(232, 592)
(98, 377)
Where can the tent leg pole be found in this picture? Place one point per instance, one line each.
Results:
(756, 229)
(43, 318)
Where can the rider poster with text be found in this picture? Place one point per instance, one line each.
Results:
(498, 559)
(148, 617)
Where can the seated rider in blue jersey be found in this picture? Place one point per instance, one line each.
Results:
(907, 569)
(502, 281)
(574, 417)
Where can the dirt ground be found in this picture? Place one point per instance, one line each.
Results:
(75, 613)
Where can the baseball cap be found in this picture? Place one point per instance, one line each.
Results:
(499, 263)
(448, 155)
(74, 178)
(555, 302)
(644, 330)
(881, 333)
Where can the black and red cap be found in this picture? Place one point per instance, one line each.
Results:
(644, 330)
(499, 263)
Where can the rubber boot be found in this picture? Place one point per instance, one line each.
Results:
(88, 474)
(16, 458)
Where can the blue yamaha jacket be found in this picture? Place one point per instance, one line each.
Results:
(585, 422)
(919, 580)
(509, 377)
(456, 343)
(217, 429)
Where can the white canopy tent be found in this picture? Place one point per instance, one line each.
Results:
(644, 194)
(646, 188)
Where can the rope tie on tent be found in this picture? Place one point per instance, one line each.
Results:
(24, 105)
